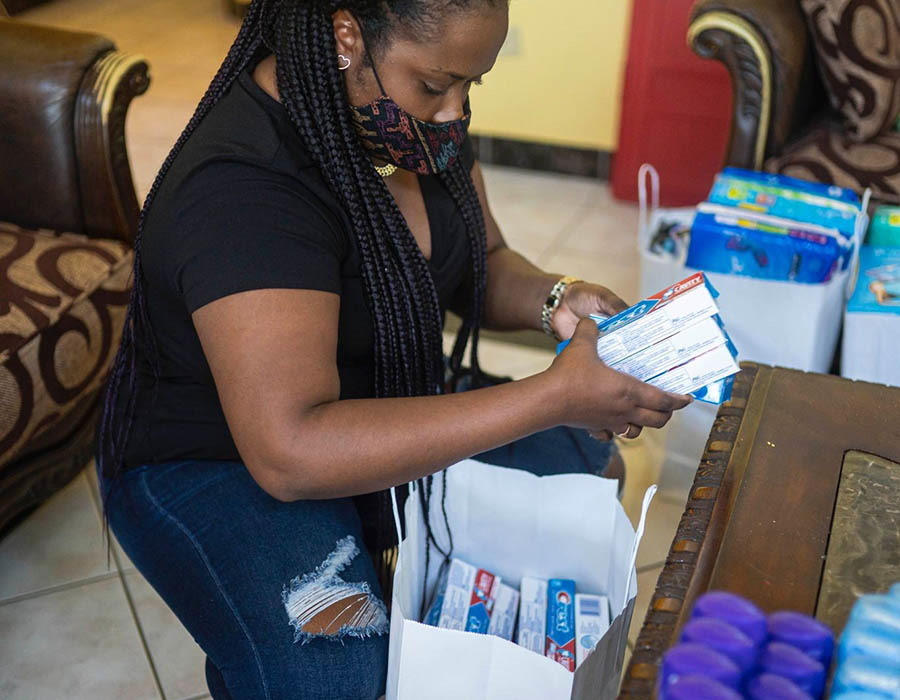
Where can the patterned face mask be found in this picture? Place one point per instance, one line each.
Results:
(394, 135)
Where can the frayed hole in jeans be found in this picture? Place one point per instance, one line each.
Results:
(321, 604)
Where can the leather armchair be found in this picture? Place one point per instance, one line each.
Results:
(781, 120)
(68, 215)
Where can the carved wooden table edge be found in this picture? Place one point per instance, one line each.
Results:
(672, 587)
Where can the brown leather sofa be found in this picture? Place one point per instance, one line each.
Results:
(68, 216)
(782, 119)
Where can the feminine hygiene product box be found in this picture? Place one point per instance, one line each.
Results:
(872, 319)
(740, 242)
(787, 198)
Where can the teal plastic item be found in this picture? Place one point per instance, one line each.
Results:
(884, 229)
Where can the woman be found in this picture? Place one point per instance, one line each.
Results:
(282, 357)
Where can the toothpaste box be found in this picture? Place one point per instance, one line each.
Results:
(708, 368)
(656, 318)
(503, 618)
(532, 614)
(560, 642)
(675, 350)
(591, 623)
(468, 598)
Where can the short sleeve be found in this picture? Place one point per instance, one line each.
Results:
(240, 228)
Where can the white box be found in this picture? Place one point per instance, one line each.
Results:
(506, 606)
(655, 318)
(468, 598)
(533, 614)
(699, 372)
(675, 350)
(591, 623)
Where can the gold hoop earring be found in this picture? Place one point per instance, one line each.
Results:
(346, 64)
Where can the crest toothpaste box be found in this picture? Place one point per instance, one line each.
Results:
(468, 598)
(712, 366)
(675, 350)
(503, 618)
(532, 614)
(655, 318)
(560, 642)
(591, 623)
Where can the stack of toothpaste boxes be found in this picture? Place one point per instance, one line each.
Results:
(546, 616)
(674, 340)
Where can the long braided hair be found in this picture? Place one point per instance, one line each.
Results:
(399, 289)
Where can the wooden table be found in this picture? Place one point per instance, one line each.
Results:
(795, 505)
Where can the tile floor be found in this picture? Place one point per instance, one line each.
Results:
(78, 625)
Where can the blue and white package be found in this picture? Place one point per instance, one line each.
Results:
(878, 285)
(788, 198)
(645, 340)
(740, 242)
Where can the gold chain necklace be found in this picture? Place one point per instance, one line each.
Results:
(386, 170)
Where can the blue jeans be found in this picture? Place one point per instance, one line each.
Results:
(232, 563)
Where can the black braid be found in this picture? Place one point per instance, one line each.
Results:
(399, 289)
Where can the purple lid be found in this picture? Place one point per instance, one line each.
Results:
(724, 638)
(769, 687)
(694, 687)
(734, 610)
(804, 632)
(695, 659)
(791, 663)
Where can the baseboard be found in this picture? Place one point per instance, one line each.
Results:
(567, 160)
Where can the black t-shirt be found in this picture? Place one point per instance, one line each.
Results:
(244, 207)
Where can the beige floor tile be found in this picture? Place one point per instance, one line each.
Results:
(79, 643)
(59, 543)
(534, 209)
(617, 272)
(646, 587)
(662, 522)
(179, 661)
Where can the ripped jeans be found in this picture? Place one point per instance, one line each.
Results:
(242, 571)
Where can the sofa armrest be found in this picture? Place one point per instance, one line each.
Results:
(765, 46)
(108, 197)
(63, 98)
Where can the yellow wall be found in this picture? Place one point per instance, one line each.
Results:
(561, 83)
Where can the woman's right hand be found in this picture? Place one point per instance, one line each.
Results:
(600, 399)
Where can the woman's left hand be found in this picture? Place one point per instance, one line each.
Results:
(581, 300)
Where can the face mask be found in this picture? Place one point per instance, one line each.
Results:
(394, 135)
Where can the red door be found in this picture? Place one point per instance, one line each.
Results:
(676, 108)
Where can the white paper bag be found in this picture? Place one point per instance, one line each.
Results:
(514, 524)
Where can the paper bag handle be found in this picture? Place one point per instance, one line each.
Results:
(638, 535)
(645, 171)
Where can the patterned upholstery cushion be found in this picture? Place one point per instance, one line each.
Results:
(62, 304)
(858, 47)
(828, 154)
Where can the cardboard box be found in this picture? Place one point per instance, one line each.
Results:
(591, 623)
(506, 606)
(532, 614)
(560, 643)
